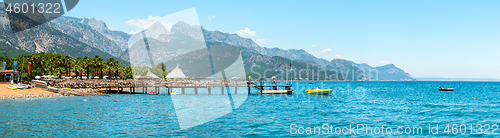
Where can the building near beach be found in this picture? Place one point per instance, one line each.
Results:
(150, 74)
(5, 76)
(176, 73)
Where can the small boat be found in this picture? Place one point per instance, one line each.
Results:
(446, 89)
(152, 92)
(25, 86)
(173, 93)
(319, 91)
(52, 88)
(37, 82)
(18, 87)
(11, 87)
(310, 82)
(277, 91)
(21, 86)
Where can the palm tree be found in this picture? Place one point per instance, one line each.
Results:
(61, 64)
(67, 65)
(92, 64)
(116, 66)
(55, 64)
(99, 65)
(107, 69)
(47, 66)
(39, 58)
(76, 66)
(110, 63)
(85, 64)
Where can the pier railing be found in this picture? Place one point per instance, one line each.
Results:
(118, 87)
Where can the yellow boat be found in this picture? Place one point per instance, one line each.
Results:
(12, 88)
(319, 91)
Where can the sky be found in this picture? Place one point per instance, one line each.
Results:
(426, 38)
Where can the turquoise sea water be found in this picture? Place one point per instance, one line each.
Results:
(264, 115)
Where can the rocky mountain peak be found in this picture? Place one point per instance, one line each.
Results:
(341, 61)
(181, 24)
(386, 72)
(119, 37)
(156, 30)
(347, 69)
(182, 27)
(98, 25)
(86, 34)
(390, 65)
(391, 72)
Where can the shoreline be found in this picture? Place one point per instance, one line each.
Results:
(8, 94)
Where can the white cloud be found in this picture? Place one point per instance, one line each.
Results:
(211, 17)
(326, 51)
(143, 23)
(326, 54)
(313, 45)
(132, 33)
(111, 28)
(385, 62)
(262, 41)
(337, 56)
(246, 33)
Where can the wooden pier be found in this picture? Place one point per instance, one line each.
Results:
(285, 89)
(144, 89)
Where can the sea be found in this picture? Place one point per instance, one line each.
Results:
(353, 109)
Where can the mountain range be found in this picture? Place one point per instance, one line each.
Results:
(88, 37)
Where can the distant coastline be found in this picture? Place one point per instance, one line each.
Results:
(456, 79)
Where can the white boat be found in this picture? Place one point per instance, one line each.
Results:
(52, 88)
(277, 91)
(18, 87)
(37, 82)
(22, 86)
(446, 89)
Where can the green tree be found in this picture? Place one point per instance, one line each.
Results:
(98, 64)
(110, 63)
(117, 67)
(85, 64)
(128, 72)
(77, 66)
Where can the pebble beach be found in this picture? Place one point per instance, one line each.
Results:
(6, 94)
